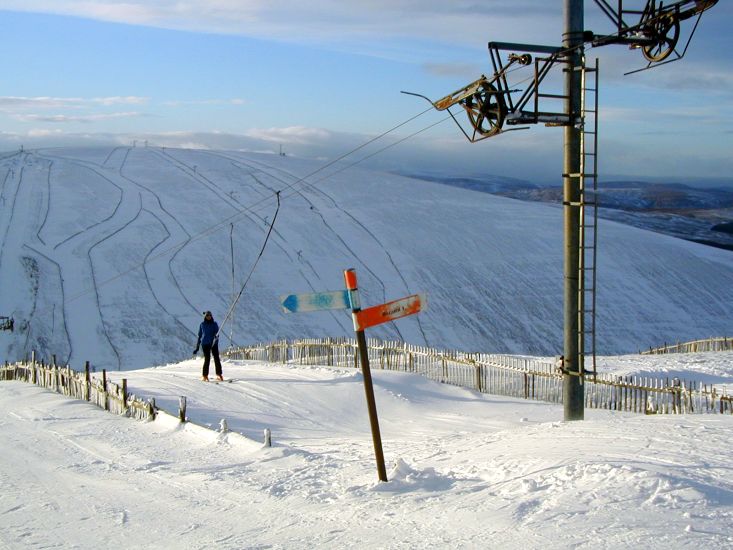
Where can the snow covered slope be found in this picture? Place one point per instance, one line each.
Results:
(465, 470)
(111, 255)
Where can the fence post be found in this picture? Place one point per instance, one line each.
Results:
(104, 389)
(87, 381)
(124, 395)
(182, 408)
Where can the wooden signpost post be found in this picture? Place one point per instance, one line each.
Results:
(351, 285)
(363, 318)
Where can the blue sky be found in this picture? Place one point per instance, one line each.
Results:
(322, 77)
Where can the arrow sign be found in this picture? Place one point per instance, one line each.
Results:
(389, 312)
(296, 303)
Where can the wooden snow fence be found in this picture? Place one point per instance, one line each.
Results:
(696, 346)
(650, 395)
(505, 375)
(80, 385)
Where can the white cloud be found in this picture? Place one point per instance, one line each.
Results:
(468, 71)
(181, 103)
(293, 134)
(12, 103)
(389, 28)
(320, 21)
(44, 133)
(694, 78)
(408, 30)
(30, 109)
(79, 119)
(121, 100)
(532, 155)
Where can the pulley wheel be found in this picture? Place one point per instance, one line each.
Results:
(486, 110)
(665, 31)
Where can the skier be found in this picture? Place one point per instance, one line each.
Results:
(209, 342)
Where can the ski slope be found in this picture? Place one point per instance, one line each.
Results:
(110, 255)
(465, 470)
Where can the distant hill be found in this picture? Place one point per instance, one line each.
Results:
(695, 213)
(111, 254)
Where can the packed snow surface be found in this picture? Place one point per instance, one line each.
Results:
(465, 470)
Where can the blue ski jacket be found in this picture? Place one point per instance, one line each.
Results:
(207, 332)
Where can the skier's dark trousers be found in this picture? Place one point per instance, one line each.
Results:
(209, 343)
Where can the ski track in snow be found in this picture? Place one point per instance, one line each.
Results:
(267, 170)
(301, 183)
(261, 223)
(279, 241)
(68, 252)
(159, 286)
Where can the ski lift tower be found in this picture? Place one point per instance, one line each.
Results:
(493, 103)
(573, 178)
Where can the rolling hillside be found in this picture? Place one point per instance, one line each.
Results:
(110, 255)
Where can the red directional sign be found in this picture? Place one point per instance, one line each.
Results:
(389, 312)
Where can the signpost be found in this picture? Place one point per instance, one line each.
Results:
(370, 317)
(350, 278)
(296, 303)
(390, 311)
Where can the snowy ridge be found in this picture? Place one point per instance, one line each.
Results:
(112, 254)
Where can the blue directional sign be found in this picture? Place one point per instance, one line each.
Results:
(296, 303)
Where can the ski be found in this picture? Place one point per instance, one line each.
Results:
(226, 380)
